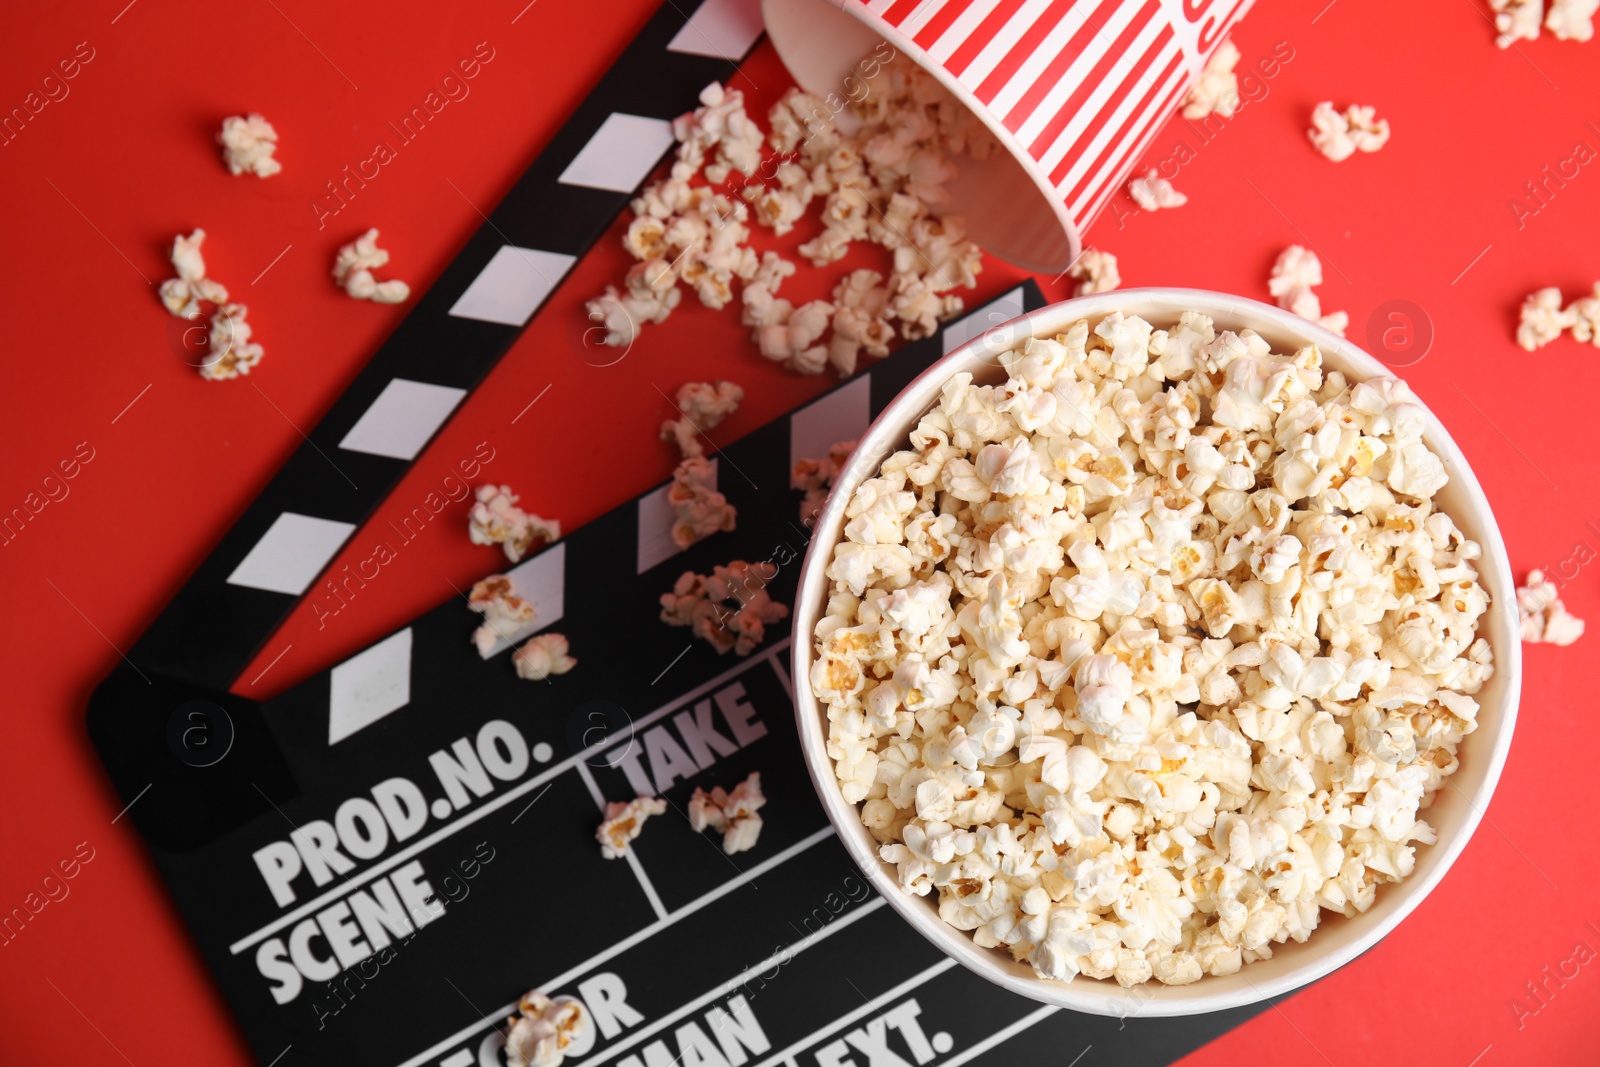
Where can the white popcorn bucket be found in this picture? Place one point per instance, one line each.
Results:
(1074, 90)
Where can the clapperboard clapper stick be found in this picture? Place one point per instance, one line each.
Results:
(377, 862)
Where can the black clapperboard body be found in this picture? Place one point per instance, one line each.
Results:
(377, 862)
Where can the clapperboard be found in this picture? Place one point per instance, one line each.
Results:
(376, 863)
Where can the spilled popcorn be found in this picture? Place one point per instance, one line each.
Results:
(1153, 192)
(1217, 90)
(1571, 20)
(542, 656)
(1544, 618)
(730, 610)
(1339, 135)
(814, 477)
(1585, 313)
(733, 815)
(230, 352)
(623, 823)
(182, 296)
(543, 1029)
(503, 611)
(1518, 20)
(1542, 319)
(701, 407)
(1143, 657)
(876, 169)
(248, 145)
(495, 519)
(1096, 272)
(1294, 274)
(353, 267)
(698, 509)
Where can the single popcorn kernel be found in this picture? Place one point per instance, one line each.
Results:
(1339, 135)
(1571, 20)
(623, 823)
(352, 271)
(230, 353)
(1294, 274)
(543, 1029)
(1217, 90)
(505, 614)
(1096, 272)
(1544, 618)
(814, 477)
(1122, 679)
(701, 407)
(1517, 20)
(731, 814)
(730, 609)
(1153, 192)
(542, 656)
(248, 145)
(495, 519)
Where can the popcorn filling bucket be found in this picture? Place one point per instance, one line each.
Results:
(1073, 90)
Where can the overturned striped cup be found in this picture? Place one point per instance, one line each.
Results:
(1074, 90)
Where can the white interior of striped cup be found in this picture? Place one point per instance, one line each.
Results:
(1010, 211)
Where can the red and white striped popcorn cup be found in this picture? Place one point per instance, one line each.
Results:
(1074, 90)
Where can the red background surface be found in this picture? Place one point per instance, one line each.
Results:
(98, 183)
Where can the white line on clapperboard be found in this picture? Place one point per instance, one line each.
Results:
(786, 1056)
(316, 903)
(628, 854)
(873, 1005)
(866, 1009)
(777, 958)
(563, 979)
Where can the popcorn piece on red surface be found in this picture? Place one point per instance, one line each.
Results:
(623, 823)
(1335, 322)
(730, 609)
(495, 519)
(182, 295)
(543, 1029)
(231, 353)
(541, 656)
(621, 314)
(1294, 273)
(353, 268)
(1217, 90)
(1585, 314)
(1543, 318)
(1339, 135)
(1153, 192)
(1544, 618)
(1571, 20)
(815, 478)
(1096, 272)
(795, 341)
(503, 611)
(701, 406)
(1517, 20)
(248, 145)
(731, 814)
(698, 510)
